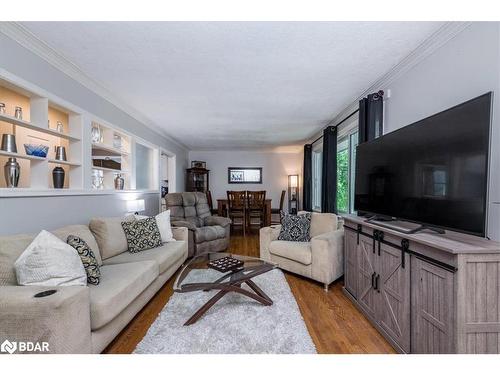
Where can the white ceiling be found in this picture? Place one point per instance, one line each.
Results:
(214, 85)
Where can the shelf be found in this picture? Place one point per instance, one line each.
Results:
(115, 151)
(54, 161)
(29, 192)
(29, 125)
(21, 156)
(110, 170)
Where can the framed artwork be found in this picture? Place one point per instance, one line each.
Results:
(244, 175)
(198, 164)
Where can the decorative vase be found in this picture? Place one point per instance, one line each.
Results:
(9, 143)
(96, 133)
(60, 153)
(119, 182)
(58, 177)
(60, 127)
(2, 108)
(12, 171)
(19, 113)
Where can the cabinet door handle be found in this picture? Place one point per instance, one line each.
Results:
(380, 239)
(373, 280)
(377, 278)
(375, 236)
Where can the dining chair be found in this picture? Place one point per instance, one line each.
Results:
(213, 210)
(236, 202)
(255, 207)
(277, 211)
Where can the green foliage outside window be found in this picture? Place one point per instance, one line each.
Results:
(343, 180)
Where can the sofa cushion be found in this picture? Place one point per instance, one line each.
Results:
(164, 256)
(109, 235)
(142, 234)
(295, 227)
(211, 233)
(84, 233)
(11, 247)
(120, 285)
(322, 223)
(87, 257)
(48, 261)
(297, 251)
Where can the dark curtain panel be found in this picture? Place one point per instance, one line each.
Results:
(307, 189)
(329, 177)
(371, 117)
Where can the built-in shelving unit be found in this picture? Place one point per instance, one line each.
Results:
(38, 125)
(113, 148)
(52, 121)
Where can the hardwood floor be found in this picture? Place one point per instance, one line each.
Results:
(334, 324)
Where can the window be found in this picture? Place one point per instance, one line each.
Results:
(346, 163)
(317, 165)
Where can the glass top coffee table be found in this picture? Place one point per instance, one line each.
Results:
(199, 274)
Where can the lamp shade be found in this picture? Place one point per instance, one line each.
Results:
(293, 180)
(137, 205)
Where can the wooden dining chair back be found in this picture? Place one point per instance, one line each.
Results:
(236, 203)
(255, 204)
(275, 212)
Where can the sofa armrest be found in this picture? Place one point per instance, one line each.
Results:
(180, 233)
(62, 319)
(182, 223)
(266, 236)
(328, 256)
(217, 220)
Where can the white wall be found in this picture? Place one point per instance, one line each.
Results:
(276, 166)
(29, 214)
(465, 67)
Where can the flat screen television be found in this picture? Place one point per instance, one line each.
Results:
(433, 172)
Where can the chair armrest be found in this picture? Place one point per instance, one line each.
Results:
(61, 319)
(180, 233)
(217, 220)
(266, 236)
(182, 223)
(328, 256)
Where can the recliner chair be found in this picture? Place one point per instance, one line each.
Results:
(207, 233)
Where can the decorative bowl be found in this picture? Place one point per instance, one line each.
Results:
(36, 150)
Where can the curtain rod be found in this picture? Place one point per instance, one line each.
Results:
(341, 122)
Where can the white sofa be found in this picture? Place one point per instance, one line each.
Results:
(321, 259)
(85, 319)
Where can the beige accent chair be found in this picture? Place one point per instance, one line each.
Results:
(321, 259)
(85, 319)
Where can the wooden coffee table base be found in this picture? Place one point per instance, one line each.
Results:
(257, 295)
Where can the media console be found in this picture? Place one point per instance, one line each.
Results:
(425, 292)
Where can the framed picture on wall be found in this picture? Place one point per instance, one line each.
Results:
(244, 175)
(198, 164)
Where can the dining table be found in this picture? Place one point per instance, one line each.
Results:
(222, 210)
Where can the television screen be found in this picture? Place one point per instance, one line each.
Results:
(433, 172)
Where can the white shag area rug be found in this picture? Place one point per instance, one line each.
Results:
(235, 324)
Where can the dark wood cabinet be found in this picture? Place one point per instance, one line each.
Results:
(197, 179)
(425, 293)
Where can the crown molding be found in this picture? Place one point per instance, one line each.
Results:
(439, 38)
(31, 42)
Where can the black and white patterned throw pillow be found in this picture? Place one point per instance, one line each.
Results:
(295, 227)
(87, 257)
(142, 234)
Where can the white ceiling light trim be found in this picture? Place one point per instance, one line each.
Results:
(34, 44)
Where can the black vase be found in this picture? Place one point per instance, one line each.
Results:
(58, 177)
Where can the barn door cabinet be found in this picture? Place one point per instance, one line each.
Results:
(426, 292)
